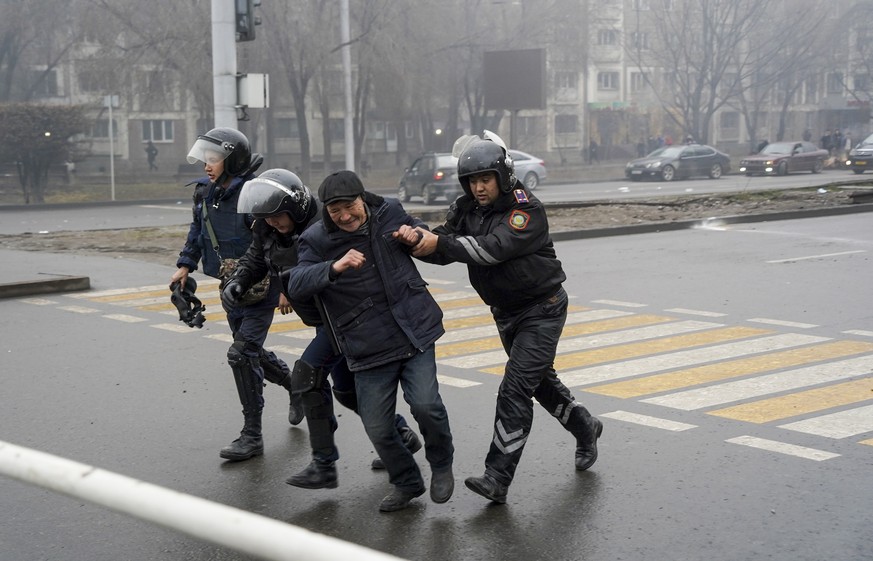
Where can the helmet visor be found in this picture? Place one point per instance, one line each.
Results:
(263, 197)
(208, 151)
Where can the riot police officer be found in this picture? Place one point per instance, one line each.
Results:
(500, 231)
(217, 234)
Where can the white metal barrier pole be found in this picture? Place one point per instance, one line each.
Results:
(237, 529)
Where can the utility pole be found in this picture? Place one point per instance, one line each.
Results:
(224, 63)
(345, 37)
(586, 47)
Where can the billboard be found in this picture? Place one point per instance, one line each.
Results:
(515, 79)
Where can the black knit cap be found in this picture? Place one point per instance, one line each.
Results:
(342, 185)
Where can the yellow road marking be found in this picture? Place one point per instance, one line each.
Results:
(134, 295)
(293, 325)
(622, 352)
(729, 369)
(463, 303)
(573, 330)
(817, 399)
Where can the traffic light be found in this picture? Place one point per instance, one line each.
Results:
(246, 20)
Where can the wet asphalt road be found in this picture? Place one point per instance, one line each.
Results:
(107, 382)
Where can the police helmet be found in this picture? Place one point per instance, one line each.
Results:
(225, 144)
(485, 155)
(276, 191)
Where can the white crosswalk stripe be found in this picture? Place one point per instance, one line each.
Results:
(649, 365)
(765, 385)
(611, 342)
(590, 342)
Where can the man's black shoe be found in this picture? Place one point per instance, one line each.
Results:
(315, 476)
(488, 487)
(442, 485)
(398, 500)
(410, 440)
(586, 451)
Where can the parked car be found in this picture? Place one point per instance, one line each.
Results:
(678, 162)
(781, 158)
(430, 176)
(530, 170)
(860, 158)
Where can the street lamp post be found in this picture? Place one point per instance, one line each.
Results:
(111, 101)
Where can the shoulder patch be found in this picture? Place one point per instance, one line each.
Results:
(519, 220)
(520, 196)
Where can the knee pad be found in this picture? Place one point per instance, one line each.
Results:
(240, 352)
(307, 382)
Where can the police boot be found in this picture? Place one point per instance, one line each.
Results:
(586, 445)
(321, 472)
(315, 476)
(249, 444)
(488, 487)
(250, 389)
(277, 372)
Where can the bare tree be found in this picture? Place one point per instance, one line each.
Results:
(153, 50)
(301, 37)
(36, 137)
(779, 58)
(35, 37)
(696, 43)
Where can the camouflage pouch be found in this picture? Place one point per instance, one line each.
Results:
(254, 294)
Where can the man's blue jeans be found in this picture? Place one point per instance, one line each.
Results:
(377, 403)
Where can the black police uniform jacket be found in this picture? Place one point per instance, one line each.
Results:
(506, 246)
(382, 312)
(275, 254)
(231, 229)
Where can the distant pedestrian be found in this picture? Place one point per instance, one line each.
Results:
(70, 172)
(592, 152)
(641, 148)
(152, 154)
(825, 141)
(836, 143)
(807, 135)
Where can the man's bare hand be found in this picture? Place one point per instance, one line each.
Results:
(408, 235)
(284, 305)
(354, 259)
(422, 241)
(426, 245)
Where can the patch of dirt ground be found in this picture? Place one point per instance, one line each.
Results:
(162, 245)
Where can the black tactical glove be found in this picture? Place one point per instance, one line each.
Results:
(232, 292)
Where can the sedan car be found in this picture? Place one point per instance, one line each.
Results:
(677, 162)
(530, 170)
(781, 158)
(861, 157)
(430, 176)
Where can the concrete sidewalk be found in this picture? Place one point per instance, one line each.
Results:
(28, 273)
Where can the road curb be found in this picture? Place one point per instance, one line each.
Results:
(653, 227)
(62, 283)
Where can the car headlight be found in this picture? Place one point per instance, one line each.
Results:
(654, 165)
